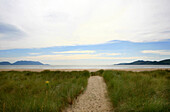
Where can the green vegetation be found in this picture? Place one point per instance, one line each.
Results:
(97, 73)
(51, 91)
(139, 91)
(31, 91)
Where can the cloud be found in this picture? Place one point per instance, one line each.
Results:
(57, 17)
(160, 52)
(33, 53)
(70, 57)
(10, 32)
(77, 52)
(166, 31)
(110, 54)
(86, 52)
(63, 22)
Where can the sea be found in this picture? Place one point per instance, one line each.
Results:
(84, 66)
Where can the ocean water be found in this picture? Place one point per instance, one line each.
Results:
(82, 66)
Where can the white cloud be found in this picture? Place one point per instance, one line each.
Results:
(33, 53)
(87, 52)
(70, 57)
(110, 54)
(72, 52)
(77, 22)
(160, 52)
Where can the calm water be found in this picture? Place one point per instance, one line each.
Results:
(81, 66)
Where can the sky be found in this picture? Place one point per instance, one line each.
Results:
(67, 32)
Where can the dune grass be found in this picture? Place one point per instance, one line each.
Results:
(128, 91)
(139, 91)
(29, 91)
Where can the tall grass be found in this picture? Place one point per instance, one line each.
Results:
(139, 91)
(28, 92)
(128, 91)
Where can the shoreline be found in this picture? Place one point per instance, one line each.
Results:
(90, 70)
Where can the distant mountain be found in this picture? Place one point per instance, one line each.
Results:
(27, 63)
(141, 62)
(22, 63)
(5, 63)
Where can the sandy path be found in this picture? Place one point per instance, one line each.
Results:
(94, 98)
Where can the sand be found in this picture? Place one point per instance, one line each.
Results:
(94, 99)
(91, 70)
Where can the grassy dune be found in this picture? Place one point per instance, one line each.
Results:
(28, 92)
(139, 91)
(128, 91)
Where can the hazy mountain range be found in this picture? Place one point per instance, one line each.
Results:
(141, 62)
(22, 63)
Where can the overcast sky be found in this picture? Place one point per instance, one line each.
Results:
(39, 24)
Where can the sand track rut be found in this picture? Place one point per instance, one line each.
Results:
(93, 99)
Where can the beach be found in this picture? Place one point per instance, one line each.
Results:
(90, 70)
